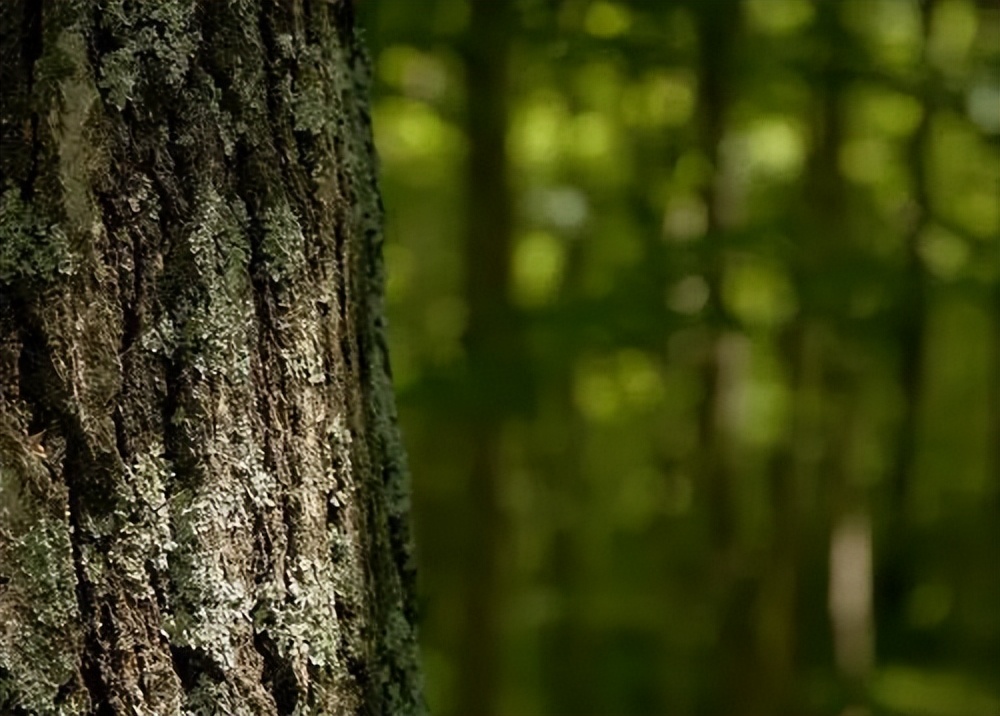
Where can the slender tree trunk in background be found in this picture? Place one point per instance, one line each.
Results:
(993, 459)
(567, 644)
(203, 495)
(488, 340)
(994, 388)
(569, 670)
(850, 592)
(718, 28)
(913, 308)
(778, 611)
(894, 573)
(719, 24)
(851, 570)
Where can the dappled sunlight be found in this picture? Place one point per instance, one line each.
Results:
(779, 16)
(607, 19)
(758, 292)
(538, 264)
(662, 99)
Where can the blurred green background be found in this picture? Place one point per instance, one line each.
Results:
(695, 325)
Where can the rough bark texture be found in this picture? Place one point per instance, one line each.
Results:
(203, 505)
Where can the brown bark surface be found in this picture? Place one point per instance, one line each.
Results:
(203, 494)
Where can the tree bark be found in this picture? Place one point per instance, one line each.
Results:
(204, 498)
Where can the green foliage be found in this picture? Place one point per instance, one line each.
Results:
(802, 194)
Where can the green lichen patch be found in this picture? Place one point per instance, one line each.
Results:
(209, 321)
(211, 592)
(283, 244)
(156, 45)
(210, 600)
(40, 638)
(311, 107)
(140, 525)
(300, 618)
(32, 244)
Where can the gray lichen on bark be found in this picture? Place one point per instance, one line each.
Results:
(203, 493)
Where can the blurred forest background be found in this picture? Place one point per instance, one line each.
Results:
(695, 322)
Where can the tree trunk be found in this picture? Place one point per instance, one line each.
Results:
(490, 341)
(719, 29)
(203, 505)
(913, 299)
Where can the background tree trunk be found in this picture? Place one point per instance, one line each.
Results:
(203, 505)
(491, 341)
